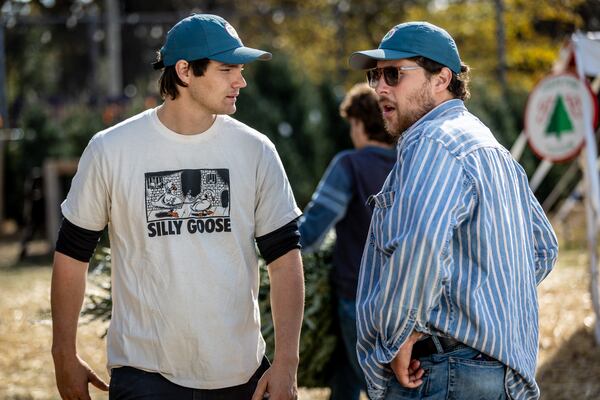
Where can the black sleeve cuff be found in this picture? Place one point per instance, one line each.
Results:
(277, 243)
(77, 242)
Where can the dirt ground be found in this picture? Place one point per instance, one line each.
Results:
(568, 368)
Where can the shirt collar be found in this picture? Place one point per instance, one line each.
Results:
(434, 114)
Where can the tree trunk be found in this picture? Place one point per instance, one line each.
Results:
(113, 45)
(501, 47)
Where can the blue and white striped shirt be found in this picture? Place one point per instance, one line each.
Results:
(456, 247)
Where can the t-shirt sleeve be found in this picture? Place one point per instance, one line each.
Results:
(275, 204)
(87, 203)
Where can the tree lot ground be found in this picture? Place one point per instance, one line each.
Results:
(569, 361)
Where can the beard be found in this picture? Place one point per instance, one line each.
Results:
(421, 103)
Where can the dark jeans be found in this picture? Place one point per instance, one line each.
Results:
(348, 379)
(128, 383)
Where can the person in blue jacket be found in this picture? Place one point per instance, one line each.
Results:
(340, 200)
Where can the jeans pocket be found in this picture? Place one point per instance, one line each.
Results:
(113, 384)
(128, 383)
(481, 360)
(118, 382)
(477, 378)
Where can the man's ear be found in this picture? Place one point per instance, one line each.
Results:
(442, 80)
(183, 70)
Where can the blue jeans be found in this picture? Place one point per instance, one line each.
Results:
(128, 383)
(348, 379)
(463, 374)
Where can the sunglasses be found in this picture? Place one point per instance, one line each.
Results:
(391, 75)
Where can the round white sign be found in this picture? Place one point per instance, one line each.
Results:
(554, 122)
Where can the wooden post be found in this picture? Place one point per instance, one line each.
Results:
(539, 174)
(592, 233)
(592, 188)
(113, 46)
(560, 187)
(519, 146)
(3, 119)
(53, 195)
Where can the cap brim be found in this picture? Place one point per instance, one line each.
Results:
(241, 55)
(368, 59)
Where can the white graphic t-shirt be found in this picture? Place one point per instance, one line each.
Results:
(183, 212)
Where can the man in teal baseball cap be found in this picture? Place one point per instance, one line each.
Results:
(187, 193)
(446, 302)
(206, 36)
(412, 39)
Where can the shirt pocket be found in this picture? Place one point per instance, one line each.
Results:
(381, 233)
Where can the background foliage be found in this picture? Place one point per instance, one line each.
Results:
(55, 54)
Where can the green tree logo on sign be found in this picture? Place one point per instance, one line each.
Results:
(560, 122)
(554, 117)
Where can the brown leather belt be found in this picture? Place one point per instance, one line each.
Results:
(427, 346)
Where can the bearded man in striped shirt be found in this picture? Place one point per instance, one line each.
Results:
(447, 304)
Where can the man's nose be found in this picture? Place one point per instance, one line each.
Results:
(240, 82)
(382, 87)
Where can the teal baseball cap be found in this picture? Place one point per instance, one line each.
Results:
(206, 36)
(411, 39)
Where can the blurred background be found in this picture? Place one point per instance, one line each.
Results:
(71, 68)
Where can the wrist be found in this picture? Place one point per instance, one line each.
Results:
(413, 338)
(290, 360)
(60, 352)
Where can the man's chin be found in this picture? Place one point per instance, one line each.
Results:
(392, 129)
(227, 111)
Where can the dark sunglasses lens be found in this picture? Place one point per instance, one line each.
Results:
(390, 74)
(373, 76)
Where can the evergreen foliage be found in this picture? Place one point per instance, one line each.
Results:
(300, 117)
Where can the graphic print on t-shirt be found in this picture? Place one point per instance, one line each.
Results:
(202, 196)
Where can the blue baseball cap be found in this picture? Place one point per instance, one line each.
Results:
(411, 39)
(206, 36)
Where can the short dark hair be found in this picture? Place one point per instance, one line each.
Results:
(361, 103)
(459, 85)
(169, 80)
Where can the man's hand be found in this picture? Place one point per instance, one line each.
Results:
(287, 306)
(72, 378)
(408, 372)
(66, 297)
(278, 383)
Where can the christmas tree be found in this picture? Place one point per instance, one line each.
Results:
(560, 122)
